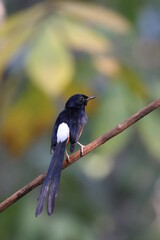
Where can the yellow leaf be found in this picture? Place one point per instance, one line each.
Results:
(97, 15)
(26, 120)
(83, 38)
(15, 31)
(108, 66)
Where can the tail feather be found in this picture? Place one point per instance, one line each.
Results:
(53, 190)
(51, 181)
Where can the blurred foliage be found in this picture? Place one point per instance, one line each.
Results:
(49, 63)
(32, 111)
(48, 52)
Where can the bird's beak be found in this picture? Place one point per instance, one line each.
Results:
(90, 98)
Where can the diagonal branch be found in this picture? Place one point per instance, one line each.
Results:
(90, 147)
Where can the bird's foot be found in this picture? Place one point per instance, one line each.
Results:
(81, 149)
(67, 157)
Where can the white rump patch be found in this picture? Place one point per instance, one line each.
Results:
(62, 132)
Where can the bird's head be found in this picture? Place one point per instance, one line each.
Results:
(78, 101)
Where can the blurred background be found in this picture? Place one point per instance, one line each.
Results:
(50, 50)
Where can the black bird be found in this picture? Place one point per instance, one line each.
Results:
(68, 128)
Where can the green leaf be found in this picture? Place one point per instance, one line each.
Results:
(105, 165)
(50, 65)
(134, 82)
(114, 109)
(150, 133)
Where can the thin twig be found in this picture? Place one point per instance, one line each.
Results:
(90, 147)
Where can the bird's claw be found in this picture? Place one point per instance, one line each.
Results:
(81, 149)
(67, 158)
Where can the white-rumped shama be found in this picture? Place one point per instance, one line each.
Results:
(68, 128)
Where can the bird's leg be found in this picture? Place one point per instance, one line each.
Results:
(67, 156)
(82, 148)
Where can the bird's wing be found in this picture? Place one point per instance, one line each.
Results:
(76, 128)
(61, 117)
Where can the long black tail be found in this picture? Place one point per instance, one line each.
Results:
(51, 181)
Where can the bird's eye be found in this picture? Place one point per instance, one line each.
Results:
(81, 98)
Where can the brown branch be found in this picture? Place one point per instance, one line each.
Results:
(90, 147)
